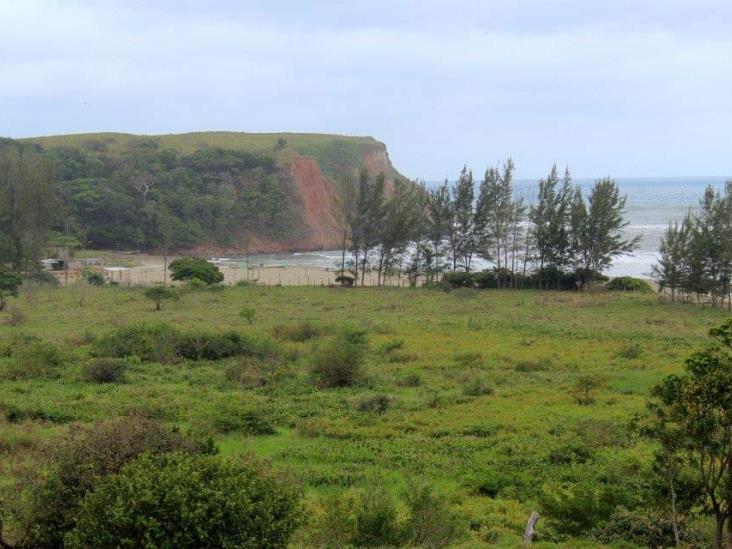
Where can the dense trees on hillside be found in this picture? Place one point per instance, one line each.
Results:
(139, 197)
(561, 240)
(28, 205)
(696, 255)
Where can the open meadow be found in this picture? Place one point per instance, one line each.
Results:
(495, 398)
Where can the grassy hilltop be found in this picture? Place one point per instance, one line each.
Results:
(480, 394)
(335, 154)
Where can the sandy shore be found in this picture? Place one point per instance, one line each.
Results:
(142, 269)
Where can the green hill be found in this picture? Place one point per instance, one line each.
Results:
(213, 190)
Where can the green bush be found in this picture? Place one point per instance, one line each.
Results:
(94, 278)
(431, 523)
(302, 331)
(190, 268)
(155, 342)
(648, 528)
(212, 346)
(248, 314)
(377, 522)
(159, 295)
(247, 422)
(105, 370)
(79, 464)
(377, 404)
(629, 284)
(35, 360)
(249, 372)
(339, 361)
(185, 501)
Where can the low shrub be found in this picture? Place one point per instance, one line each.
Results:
(377, 523)
(339, 361)
(178, 500)
(94, 278)
(410, 379)
(376, 404)
(390, 346)
(15, 341)
(645, 528)
(154, 342)
(249, 372)
(477, 387)
(160, 342)
(15, 414)
(630, 351)
(300, 332)
(16, 317)
(248, 314)
(431, 523)
(629, 284)
(105, 370)
(35, 360)
(247, 422)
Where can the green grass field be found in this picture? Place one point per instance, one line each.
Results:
(483, 383)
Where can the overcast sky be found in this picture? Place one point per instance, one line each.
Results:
(618, 87)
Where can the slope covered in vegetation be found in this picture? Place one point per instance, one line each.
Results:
(206, 190)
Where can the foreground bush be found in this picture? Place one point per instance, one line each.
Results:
(177, 500)
(650, 528)
(87, 458)
(105, 370)
(339, 361)
(629, 284)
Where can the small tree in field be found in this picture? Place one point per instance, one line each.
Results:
(9, 283)
(188, 268)
(694, 423)
(248, 314)
(160, 294)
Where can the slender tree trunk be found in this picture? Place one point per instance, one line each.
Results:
(355, 266)
(343, 255)
(674, 515)
(718, 531)
(729, 532)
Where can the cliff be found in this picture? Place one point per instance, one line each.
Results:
(228, 191)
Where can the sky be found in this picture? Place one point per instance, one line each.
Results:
(611, 87)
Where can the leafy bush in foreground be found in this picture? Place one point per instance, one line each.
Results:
(187, 501)
(78, 465)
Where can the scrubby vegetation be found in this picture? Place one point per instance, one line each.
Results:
(501, 403)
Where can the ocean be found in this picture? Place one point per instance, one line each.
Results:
(652, 203)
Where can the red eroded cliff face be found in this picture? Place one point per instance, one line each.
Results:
(315, 201)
